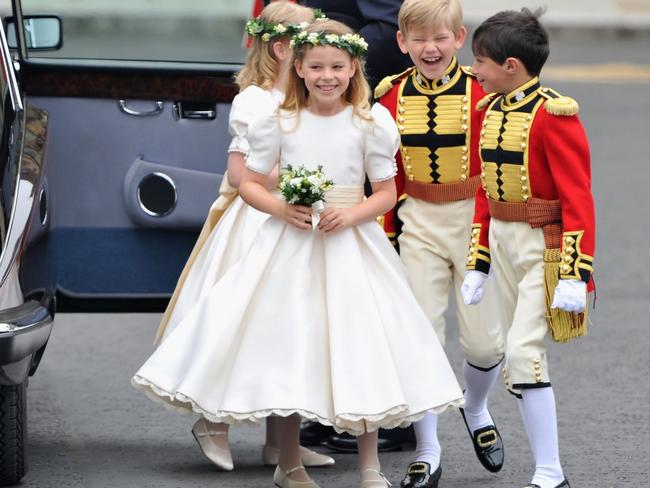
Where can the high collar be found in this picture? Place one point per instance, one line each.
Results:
(445, 80)
(522, 94)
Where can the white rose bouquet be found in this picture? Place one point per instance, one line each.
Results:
(301, 186)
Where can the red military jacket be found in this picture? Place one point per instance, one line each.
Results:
(439, 130)
(533, 145)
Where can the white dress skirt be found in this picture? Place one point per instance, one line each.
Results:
(322, 325)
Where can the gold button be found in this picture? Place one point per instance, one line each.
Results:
(407, 158)
(482, 132)
(411, 177)
(465, 109)
(401, 120)
(463, 118)
(405, 149)
(484, 123)
(568, 240)
(544, 90)
(523, 145)
(470, 260)
(463, 168)
(483, 165)
(409, 167)
(487, 194)
(464, 99)
(400, 128)
(530, 117)
(463, 159)
(473, 241)
(463, 177)
(524, 189)
(483, 176)
(569, 250)
(566, 268)
(525, 198)
(523, 136)
(464, 149)
(568, 259)
(475, 231)
(537, 360)
(525, 127)
(402, 100)
(523, 179)
(522, 170)
(480, 142)
(402, 110)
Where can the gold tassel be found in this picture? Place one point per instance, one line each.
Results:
(563, 326)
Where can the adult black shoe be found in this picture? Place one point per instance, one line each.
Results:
(418, 475)
(488, 445)
(564, 484)
(314, 434)
(389, 440)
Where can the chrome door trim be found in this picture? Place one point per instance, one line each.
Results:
(28, 153)
(169, 180)
(7, 62)
(158, 108)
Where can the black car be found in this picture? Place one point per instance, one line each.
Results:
(113, 145)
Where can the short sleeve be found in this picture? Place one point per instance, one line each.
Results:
(264, 138)
(382, 142)
(246, 107)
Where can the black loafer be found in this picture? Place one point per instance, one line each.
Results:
(388, 441)
(564, 484)
(418, 475)
(314, 434)
(488, 445)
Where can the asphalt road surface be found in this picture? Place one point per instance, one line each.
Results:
(89, 428)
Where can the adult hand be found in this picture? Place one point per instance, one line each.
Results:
(570, 295)
(472, 287)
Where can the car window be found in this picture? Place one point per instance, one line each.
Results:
(198, 31)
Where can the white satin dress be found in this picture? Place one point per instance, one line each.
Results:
(231, 224)
(323, 325)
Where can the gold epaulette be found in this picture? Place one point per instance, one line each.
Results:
(557, 104)
(486, 100)
(468, 71)
(387, 83)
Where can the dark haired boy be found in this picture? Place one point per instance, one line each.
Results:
(534, 218)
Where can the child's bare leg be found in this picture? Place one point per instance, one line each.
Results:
(288, 435)
(369, 466)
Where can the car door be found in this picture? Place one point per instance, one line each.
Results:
(138, 96)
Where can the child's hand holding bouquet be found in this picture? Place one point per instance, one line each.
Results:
(304, 190)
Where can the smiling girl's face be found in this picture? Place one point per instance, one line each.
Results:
(326, 71)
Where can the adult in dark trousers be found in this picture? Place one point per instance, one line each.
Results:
(376, 22)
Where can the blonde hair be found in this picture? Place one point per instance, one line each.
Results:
(435, 14)
(261, 67)
(358, 92)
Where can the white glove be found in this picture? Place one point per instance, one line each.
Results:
(570, 295)
(472, 287)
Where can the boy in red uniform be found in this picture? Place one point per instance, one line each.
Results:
(438, 174)
(534, 218)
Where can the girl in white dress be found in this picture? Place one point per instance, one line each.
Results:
(317, 322)
(231, 223)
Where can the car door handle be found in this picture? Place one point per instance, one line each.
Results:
(195, 110)
(158, 108)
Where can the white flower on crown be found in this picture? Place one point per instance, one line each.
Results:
(313, 38)
(302, 35)
(303, 25)
(280, 29)
(292, 43)
(331, 38)
(266, 37)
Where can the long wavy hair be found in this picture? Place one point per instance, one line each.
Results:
(261, 67)
(358, 92)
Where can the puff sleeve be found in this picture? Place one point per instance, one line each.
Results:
(264, 138)
(246, 107)
(382, 142)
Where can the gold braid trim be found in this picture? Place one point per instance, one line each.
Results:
(563, 326)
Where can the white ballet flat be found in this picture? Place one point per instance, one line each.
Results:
(309, 458)
(221, 457)
(380, 483)
(280, 478)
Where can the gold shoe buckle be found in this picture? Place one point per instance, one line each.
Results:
(491, 440)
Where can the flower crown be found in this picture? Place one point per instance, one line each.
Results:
(258, 27)
(352, 43)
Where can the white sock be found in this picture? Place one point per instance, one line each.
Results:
(478, 384)
(537, 407)
(428, 447)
